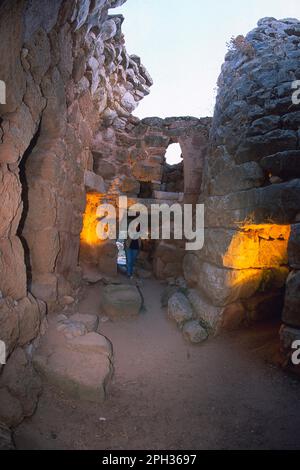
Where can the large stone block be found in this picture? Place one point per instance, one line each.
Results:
(216, 319)
(223, 286)
(147, 171)
(121, 301)
(255, 148)
(283, 164)
(240, 177)
(129, 185)
(156, 141)
(253, 246)
(257, 205)
(94, 183)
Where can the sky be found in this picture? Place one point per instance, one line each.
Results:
(183, 43)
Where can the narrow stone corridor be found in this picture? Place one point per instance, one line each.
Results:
(166, 393)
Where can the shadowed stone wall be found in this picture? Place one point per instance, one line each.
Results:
(67, 72)
(250, 186)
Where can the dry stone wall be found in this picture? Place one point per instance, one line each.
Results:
(132, 163)
(250, 186)
(67, 72)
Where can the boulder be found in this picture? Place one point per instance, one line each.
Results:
(121, 301)
(194, 332)
(80, 375)
(216, 319)
(179, 309)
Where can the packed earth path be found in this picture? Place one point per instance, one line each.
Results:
(167, 394)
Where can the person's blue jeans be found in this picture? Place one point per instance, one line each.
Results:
(131, 256)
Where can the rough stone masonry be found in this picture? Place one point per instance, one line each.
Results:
(67, 130)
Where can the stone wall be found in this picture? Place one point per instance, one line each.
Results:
(131, 161)
(67, 74)
(250, 187)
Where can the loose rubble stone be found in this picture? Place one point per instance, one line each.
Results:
(179, 308)
(194, 332)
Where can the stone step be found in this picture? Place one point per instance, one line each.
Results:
(78, 364)
(80, 375)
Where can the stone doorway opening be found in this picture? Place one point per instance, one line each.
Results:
(174, 154)
(173, 171)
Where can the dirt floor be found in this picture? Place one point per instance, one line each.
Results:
(167, 394)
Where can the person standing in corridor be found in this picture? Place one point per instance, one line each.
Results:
(132, 249)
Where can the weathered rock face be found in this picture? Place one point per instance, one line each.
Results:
(68, 77)
(250, 183)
